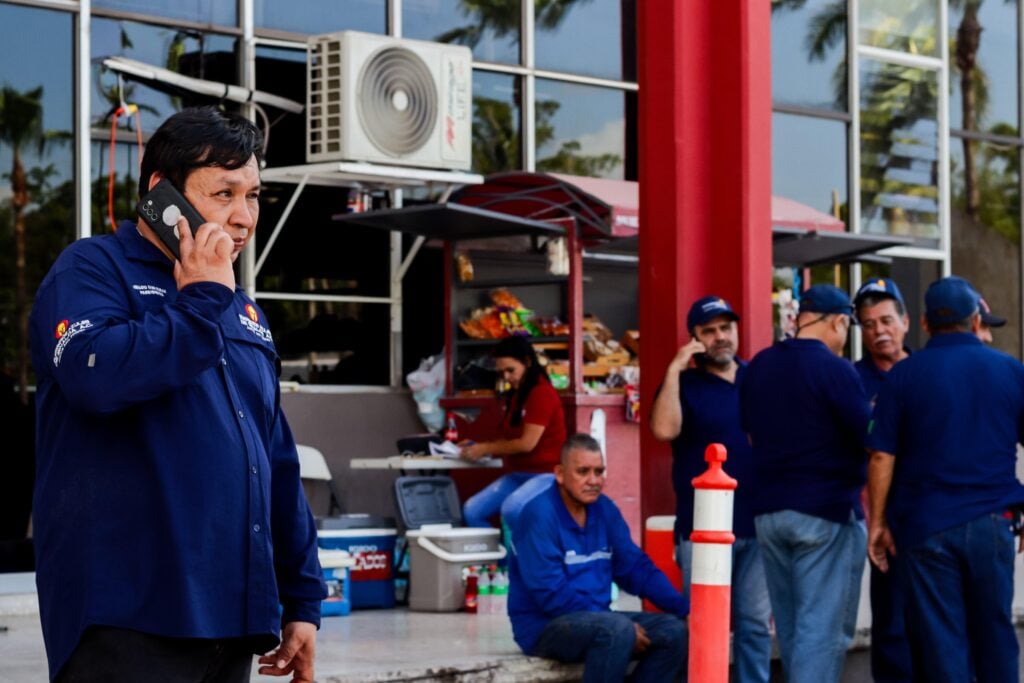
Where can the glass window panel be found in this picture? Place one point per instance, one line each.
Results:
(809, 53)
(580, 129)
(36, 106)
(809, 161)
(315, 17)
(983, 70)
(904, 25)
(283, 72)
(899, 151)
(496, 123)
(589, 37)
(202, 55)
(200, 11)
(491, 29)
(985, 227)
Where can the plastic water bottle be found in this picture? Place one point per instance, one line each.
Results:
(452, 431)
(484, 592)
(499, 593)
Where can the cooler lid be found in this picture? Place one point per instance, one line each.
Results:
(427, 500)
(354, 521)
(445, 531)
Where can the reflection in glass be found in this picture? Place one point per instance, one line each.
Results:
(809, 53)
(809, 162)
(199, 11)
(313, 17)
(580, 129)
(904, 25)
(589, 37)
(490, 29)
(983, 66)
(282, 72)
(496, 123)
(37, 194)
(201, 55)
(985, 225)
(899, 151)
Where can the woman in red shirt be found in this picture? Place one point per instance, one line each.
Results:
(532, 429)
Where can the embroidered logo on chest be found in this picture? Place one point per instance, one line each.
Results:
(250, 322)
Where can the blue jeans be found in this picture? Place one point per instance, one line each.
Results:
(814, 570)
(959, 591)
(890, 647)
(603, 641)
(485, 504)
(751, 609)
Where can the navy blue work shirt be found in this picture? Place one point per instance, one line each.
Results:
(872, 376)
(711, 414)
(952, 415)
(806, 413)
(168, 497)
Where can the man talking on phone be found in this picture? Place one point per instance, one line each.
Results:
(697, 406)
(170, 527)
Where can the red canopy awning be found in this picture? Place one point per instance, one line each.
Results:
(604, 208)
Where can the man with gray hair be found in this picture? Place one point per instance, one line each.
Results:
(569, 544)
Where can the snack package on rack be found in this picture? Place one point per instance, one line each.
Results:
(632, 403)
(505, 299)
(464, 267)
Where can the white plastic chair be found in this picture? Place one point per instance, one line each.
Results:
(313, 466)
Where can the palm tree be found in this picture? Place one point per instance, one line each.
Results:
(21, 127)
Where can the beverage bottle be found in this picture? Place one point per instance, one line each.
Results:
(470, 602)
(452, 431)
(484, 592)
(499, 593)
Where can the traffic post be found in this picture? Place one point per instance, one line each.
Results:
(711, 579)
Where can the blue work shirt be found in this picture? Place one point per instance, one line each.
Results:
(558, 567)
(168, 497)
(952, 416)
(806, 413)
(711, 414)
(872, 376)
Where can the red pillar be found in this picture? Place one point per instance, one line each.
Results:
(705, 185)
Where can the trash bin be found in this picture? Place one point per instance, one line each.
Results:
(660, 546)
(437, 556)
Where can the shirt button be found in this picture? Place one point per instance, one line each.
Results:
(241, 415)
(254, 469)
(223, 361)
(256, 528)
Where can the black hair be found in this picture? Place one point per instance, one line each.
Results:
(521, 350)
(869, 300)
(583, 442)
(198, 137)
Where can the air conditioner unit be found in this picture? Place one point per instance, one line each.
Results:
(388, 100)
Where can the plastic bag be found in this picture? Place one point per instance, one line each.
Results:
(427, 385)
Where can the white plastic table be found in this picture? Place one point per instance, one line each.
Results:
(422, 462)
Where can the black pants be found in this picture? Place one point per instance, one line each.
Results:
(115, 655)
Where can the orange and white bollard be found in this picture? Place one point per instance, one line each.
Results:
(711, 580)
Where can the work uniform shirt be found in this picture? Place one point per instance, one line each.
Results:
(711, 414)
(806, 413)
(167, 497)
(558, 567)
(543, 407)
(872, 376)
(952, 416)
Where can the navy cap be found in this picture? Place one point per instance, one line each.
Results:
(987, 316)
(880, 287)
(950, 300)
(825, 299)
(707, 309)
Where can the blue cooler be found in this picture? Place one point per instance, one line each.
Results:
(373, 551)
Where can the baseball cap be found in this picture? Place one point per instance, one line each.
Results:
(987, 316)
(950, 300)
(878, 287)
(825, 299)
(708, 308)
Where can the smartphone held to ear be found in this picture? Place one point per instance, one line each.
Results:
(161, 208)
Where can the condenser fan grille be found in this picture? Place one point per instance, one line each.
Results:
(397, 101)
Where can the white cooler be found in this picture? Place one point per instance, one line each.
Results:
(437, 555)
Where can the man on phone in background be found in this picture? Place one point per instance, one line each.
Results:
(697, 406)
(171, 531)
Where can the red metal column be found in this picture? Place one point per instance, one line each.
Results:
(705, 185)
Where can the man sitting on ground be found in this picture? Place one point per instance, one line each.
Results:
(569, 544)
